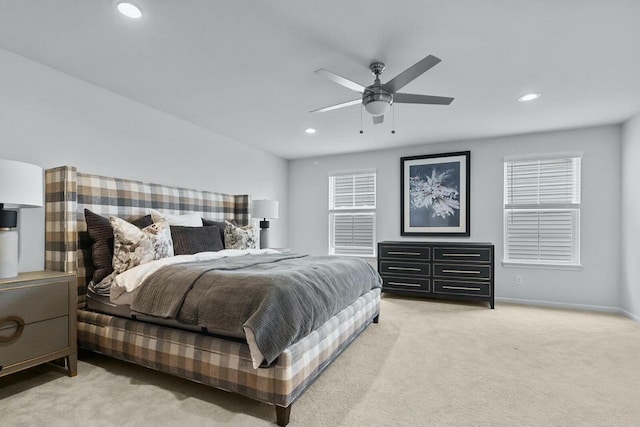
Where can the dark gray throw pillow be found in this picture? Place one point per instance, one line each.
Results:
(219, 224)
(101, 232)
(191, 240)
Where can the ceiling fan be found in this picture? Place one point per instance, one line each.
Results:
(378, 97)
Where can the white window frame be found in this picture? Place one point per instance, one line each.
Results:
(365, 251)
(573, 207)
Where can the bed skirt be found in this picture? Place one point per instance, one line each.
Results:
(227, 364)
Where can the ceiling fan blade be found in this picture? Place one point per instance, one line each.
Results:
(409, 98)
(340, 80)
(335, 107)
(378, 119)
(411, 73)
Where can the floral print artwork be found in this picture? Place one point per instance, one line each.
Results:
(434, 192)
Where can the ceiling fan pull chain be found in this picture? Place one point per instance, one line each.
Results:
(393, 118)
(361, 108)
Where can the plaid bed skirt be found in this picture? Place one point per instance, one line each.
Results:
(227, 364)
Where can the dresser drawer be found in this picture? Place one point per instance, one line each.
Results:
(407, 283)
(405, 252)
(453, 254)
(462, 271)
(36, 302)
(460, 287)
(404, 268)
(37, 339)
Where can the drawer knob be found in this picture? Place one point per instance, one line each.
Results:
(403, 253)
(404, 268)
(17, 320)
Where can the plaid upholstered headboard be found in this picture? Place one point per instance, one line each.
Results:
(69, 192)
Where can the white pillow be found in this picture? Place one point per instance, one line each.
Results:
(186, 220)
(132, 246)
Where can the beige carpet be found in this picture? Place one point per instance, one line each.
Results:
(426, 364)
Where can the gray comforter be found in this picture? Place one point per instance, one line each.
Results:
(281, 298)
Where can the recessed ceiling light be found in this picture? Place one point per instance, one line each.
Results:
(529, 97)
(310, 130)
(129, 10)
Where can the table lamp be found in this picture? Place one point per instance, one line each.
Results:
(20, 186)
(264, 209)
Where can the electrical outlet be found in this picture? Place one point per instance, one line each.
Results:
(519, 280)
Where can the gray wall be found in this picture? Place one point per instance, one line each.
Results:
(630, 280)
(51, 119)
(594, 286)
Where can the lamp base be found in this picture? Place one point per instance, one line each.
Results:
(8, 253)
(264, 238)
(8, 219)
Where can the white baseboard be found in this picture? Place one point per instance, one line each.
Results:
(630, 315)
(588, 307)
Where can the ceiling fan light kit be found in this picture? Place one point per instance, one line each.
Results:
(378, 97)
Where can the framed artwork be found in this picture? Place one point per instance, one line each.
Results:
(435, 195)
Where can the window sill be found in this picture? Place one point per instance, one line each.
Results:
(540, 266)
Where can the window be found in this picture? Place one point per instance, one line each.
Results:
(542, 211)
(352, 214)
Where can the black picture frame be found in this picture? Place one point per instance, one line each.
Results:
(435, 195)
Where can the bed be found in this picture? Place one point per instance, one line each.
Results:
(208, 359)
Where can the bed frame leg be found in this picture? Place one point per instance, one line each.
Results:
(377, 318)
(282, 415)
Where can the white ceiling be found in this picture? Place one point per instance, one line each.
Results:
(244, 68)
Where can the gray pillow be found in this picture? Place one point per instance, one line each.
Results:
(191, 240)
(219, 224)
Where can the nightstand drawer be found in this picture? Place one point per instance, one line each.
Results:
(405, 253)
(405, 283)
(462, 254)
(462, 271)
(404, 268)
(37, 339)
(36, 302)
(460, 287)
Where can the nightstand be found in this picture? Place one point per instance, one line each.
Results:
(38, 321)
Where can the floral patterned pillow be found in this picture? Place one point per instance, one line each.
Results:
(133, 246)
(239, 237)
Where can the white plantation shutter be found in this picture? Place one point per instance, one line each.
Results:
(352, 221)
(542, 211)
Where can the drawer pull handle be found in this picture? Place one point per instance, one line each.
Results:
(461, 271)
(19, 321)
(445, 254)
(403, 253)
(404, 268)
(403, 284)
(460, 288)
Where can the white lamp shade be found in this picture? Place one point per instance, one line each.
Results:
(20, 184)
(264, 209)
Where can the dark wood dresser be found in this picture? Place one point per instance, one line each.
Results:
(438, 269)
